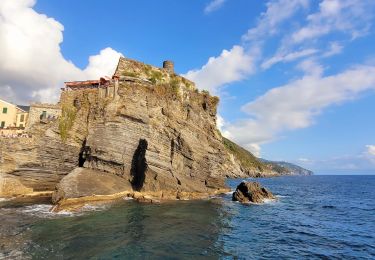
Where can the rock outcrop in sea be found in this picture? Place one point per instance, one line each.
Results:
(253, 192)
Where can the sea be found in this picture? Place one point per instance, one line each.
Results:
(314, 217)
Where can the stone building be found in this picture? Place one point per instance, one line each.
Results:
(128, 70)
(43, 112)
(13, 116)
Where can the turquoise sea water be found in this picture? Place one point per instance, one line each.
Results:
(329, 217)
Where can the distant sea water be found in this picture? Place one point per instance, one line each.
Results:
(315, 217)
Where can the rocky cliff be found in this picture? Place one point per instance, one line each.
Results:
(148, 131)
(151, 128)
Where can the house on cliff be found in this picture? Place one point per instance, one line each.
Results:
(43, 112)
(131, 70)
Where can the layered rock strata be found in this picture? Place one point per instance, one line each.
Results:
(156, 134)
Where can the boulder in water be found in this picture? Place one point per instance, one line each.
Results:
(251, 192)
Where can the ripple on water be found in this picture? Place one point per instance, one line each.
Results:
(310, 219)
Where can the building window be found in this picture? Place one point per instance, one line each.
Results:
(2, 125)
(22, 118)
(5, 110)
(21, 125)
(43, 115)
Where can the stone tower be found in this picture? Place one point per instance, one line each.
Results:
(168, 66)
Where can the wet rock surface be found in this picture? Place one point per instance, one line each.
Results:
(251, 192)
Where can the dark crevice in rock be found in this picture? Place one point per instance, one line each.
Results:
(139, 165)
(172, 150)
(83, 154)
(133, 119)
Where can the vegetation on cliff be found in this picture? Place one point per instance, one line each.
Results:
(247, 160)
(256, 166)
(66, 121)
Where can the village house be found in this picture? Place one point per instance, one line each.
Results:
(42, 112)
(13, 116)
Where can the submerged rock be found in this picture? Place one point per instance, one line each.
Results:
(251, 192)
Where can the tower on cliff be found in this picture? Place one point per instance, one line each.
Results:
(168, 65)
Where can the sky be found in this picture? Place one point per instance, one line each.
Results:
(296, 78)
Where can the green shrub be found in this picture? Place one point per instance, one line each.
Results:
(175, 85)
(246, 159)
(66, 121)
(155, 76)
(131, 74)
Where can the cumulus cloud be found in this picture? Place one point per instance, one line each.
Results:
(232, 65)
(296, 104)
(213, 6)
(32, 66)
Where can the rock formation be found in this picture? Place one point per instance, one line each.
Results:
(147, 133)
(247, 192)
(154, 132)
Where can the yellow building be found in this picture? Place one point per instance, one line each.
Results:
(12, 115)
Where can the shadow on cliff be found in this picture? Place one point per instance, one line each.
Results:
(139, 165)
(83, 154)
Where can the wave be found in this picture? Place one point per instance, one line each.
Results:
(45, 210)
(282, 196)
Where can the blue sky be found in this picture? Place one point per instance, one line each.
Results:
(296, 78)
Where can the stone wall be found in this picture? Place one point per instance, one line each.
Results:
(37, 109)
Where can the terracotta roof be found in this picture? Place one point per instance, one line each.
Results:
(81, 83)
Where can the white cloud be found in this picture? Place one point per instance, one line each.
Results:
(347, 16)
(334, 48)
(213, 6)
(254, 149)
(239, 62)
(360, 161)
(310, 67)
(371, 150)
(230, 66)
(103, 63)
(277, 12)
(32, 66)
(288, 57)
(220, 122)
(296, 104)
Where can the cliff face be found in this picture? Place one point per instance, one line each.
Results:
(151, 128)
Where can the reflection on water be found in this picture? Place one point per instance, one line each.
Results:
(314, 217)
(127, 229)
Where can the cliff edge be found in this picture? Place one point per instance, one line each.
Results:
(147, 126)
(145, 131)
